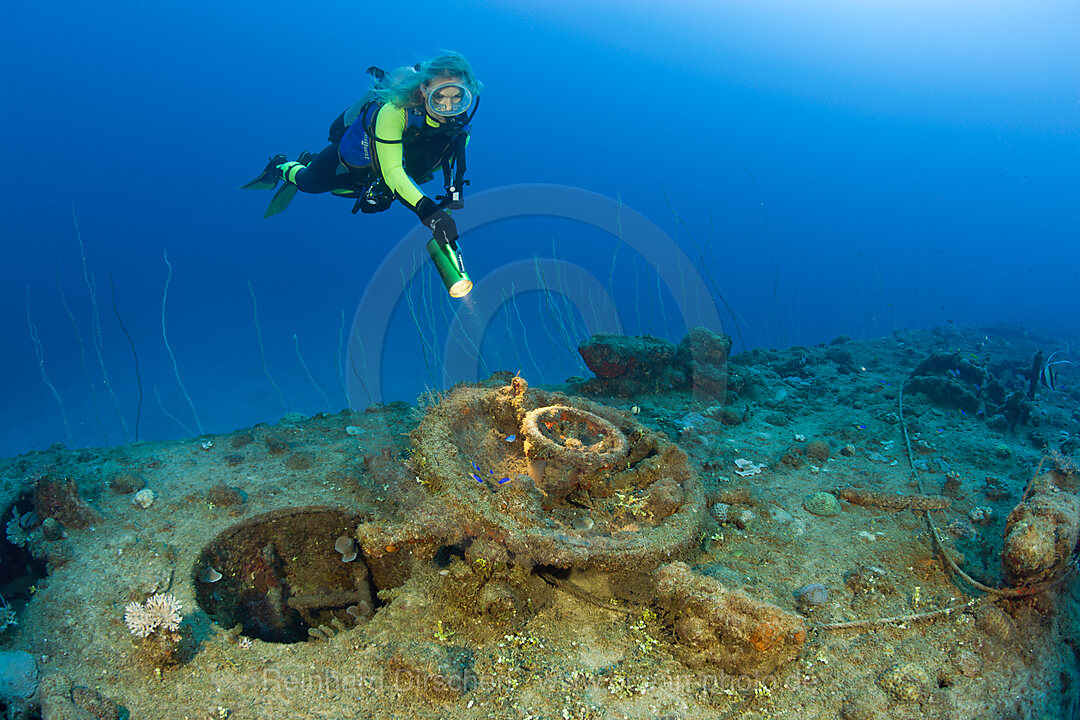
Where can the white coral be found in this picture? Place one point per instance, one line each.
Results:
(166, 610)
(139, 620)
(160, 611)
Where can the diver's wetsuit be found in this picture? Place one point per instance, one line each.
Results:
(320, 174)
(398, 162)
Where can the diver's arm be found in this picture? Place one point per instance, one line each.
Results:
(390, 126)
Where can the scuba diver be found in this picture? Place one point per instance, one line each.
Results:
(412, 121)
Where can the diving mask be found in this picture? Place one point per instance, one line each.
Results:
(448, 99)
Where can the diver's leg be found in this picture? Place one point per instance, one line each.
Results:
(317, 174)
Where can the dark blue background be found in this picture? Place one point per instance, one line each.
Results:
(849, 168)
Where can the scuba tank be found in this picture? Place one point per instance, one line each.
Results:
(348, 117)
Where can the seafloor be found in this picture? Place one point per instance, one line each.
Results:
(355, 566)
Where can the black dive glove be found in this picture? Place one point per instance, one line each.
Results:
(442, 226)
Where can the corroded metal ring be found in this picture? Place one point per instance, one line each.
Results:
(572, 435)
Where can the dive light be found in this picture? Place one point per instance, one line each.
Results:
(451, 268)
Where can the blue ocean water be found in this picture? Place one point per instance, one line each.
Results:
(787, 172)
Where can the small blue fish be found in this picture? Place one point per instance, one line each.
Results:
(504, 480)
(479, 476)
(511, 438)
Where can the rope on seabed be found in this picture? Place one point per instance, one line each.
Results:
(991, 593)
(582, 594)
(940, 546)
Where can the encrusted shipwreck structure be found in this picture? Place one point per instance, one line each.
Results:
(727, 628)
(556, 481)
(284, 575)
(527, 553)
(535, 480)
(1042, 532)
(626, 366)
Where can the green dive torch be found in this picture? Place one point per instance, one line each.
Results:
(451, 268)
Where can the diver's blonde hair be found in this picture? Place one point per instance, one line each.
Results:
(402, 86)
